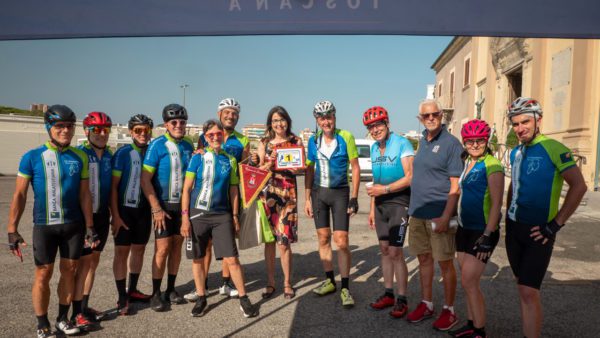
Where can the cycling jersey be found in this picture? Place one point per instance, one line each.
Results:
(331, 170)
(387, 168)
(168, 158)
(127, 164)
(55, 178)
(234, 145)
(474, 202)
(100, 177)
(213, 173)
(536, 179)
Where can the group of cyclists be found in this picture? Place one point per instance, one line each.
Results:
(446, 196)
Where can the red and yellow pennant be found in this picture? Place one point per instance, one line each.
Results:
(253, 180)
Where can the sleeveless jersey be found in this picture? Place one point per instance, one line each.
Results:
(55, 178)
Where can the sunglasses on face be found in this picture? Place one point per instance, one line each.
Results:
(174, 123)
(479, 141)
(141, 130)
(215, 135)
(99, 130)
(375, 125)
(427, 116)
(64, 125)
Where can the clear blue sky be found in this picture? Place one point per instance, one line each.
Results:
(127, 76)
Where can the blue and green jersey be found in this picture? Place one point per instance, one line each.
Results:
(475, 203)
(234, 145)
(168, 158)
(332, 172)
(127, 164)
(213, 173)
(100, 177)
(536, 179)
(55, 178)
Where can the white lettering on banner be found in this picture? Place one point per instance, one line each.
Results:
(263, 5)
(53, 191)
(234, 4)
(132, 192)
(208, 178)
(94, 185)
(285, 3)
(260, 3)
(176, 178)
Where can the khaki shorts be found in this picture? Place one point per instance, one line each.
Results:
(422, 239)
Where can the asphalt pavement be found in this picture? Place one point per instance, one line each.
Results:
(571, 290)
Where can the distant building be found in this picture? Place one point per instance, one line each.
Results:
(38, 107)
(254, 131)
(412, 134)
(305, 135)
(430, 91)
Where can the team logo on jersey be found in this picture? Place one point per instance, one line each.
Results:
(566, 157)
(385, 160)
(533, 164)
(435, 149)
(224, 163)
(473, 175)
(73, 167)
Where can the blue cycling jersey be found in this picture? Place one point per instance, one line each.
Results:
(332, 171)
(55, 178)
(536, 179)
(127, 164)
(100, 177)
(213, 173)
(234, 145)
(387, 168)
(168, 158)
(474, 202)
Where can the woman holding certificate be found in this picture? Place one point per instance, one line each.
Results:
(281, 152)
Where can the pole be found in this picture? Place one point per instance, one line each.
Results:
(184, 87)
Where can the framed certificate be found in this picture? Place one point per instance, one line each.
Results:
(291, 157)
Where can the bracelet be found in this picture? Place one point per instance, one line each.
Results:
(185, 212)
(235, 215)
(156, 211)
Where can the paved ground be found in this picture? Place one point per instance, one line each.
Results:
(571, 291)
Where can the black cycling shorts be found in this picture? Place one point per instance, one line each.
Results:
(333, 202)
(139, 222)
(64, 238)
(219, 229)
(102, 227)
(528, 259)
(466, 238)
(391, 222)
(173, 224)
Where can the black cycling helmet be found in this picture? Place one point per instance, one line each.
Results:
(174, 111)
(58, 113)
(139, 119)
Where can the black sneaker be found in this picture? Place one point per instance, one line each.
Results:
(464, 331)
(45, 333)
(174, 298)
(158, 304)
(247, 308)
(200, 307)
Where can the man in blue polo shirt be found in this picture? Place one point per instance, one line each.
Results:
(433, 199)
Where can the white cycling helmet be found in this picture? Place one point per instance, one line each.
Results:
(229, 103)
(524, 105)
(324, 108)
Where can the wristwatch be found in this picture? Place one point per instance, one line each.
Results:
(387, 189)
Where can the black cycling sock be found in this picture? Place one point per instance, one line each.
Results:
(226, 279)
(470, 323)
(480, 331)
(156, 285)
(329, 275)
(402, 299)
(345, 283)
(43, 321)
(77, 309)
(170, 283)
(133, 280)
(121, 289)
(389, 293)
(63, 310)
(86, 299)
(206, 283)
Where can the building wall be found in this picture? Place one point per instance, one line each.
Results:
(563, 74)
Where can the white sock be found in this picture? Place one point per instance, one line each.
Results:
(429, 305)
(451, 308)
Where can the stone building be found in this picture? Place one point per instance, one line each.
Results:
(480, 76)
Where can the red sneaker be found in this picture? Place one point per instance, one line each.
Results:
(399, 310)
(137, 296)
(420, 313)
(445, 321)
(83, 323)
(382, 303)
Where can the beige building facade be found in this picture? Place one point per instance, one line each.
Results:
(480, 76)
